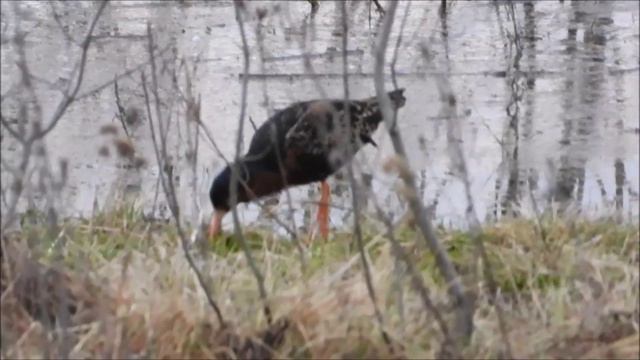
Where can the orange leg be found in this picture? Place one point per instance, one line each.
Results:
(215, 227)
(323, 209)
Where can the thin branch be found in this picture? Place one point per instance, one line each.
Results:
(379, 7)
(354, 187)
(294, 235)
(394, 59)
(234, 169)
(183, 240)
(454, 136)
(22, 176)
(306, 61)
(416, 279)
(476, 231)
(70, 93)
(121, 114)
(58, 21)
(253, 124)
(192, 112)
(167, 186)
(208, 136)
(464, 306)
(22, 63)
(516, 33)
(11, 131)
(397, 266)
(163, 130)
(134, 69)
(10, 91)
(540, 229)
(265, 93)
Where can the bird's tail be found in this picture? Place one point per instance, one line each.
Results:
(397, 98)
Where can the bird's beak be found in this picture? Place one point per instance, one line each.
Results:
(215, 227)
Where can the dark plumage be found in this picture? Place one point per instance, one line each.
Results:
(304, 143)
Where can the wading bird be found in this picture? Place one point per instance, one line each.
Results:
(304, 143)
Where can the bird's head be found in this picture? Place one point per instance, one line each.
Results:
(397, 98)
(220, 192)
(219, 195)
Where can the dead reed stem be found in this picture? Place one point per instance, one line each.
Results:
(354, 186)
(234, 168)
(463, 304)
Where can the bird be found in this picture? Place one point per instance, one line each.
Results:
(304, 143)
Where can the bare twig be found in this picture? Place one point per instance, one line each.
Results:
(306, 60)
(454, 135)
(71, 91)
(10, 129)
(294, 235)
(126, 73)
(394, 59)
(536, 211)
(209, 136)
(192, 110)
(462, 303)
(166, 189)
(516, 33)
(354, 186)
(379, 7)
(167, 184)
(260, 41)
(37, 133)
(10, 91)
(253, 124)
(475, 226)
(234, 169)
(416, 279)
(398, 263)
(58, 21)
(121, 113)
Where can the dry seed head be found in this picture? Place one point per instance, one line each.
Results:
(132, 115)
(40, 150)
(396, 164)
(64, 168)
(139, 162)
(451, 99)
(406, 192)
(422, 141)
(103, 151)
(124, 147)
(408, 219)
(109, 129)
(190, 156)
(193, 111)
(261, 13)
(387, 165)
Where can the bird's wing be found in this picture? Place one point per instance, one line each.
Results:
(311, 133)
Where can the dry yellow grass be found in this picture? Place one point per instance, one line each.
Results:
(128, 291)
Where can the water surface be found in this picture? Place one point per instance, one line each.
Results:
(547, 99)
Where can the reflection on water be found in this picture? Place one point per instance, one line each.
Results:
(548, 97)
